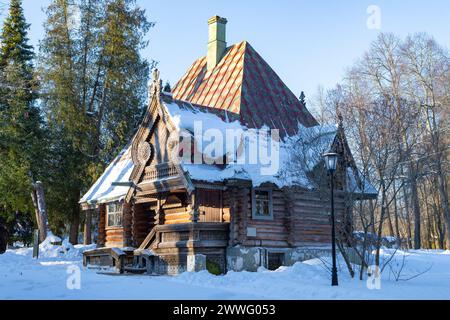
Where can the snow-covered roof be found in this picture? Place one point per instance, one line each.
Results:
(314, 142)
(364, 187)
(306, 148)
(184, 114)
(196, 120)
(118, 171)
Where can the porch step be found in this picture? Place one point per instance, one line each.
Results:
(136, 270)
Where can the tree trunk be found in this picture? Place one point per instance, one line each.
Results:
(3, 237)
(74, 225)
(37, 195)
(87, 239)
(439, 226)
(442, 186)
(346, 258)
(408, 219)
(390, 225)
(416, 209)
(397, 228)
(380, 224)
(36, 210)
(430, 232)
(441, 174)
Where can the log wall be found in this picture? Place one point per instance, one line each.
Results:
(127, 225)
(299, 218)
(114, 237)
(176, 215)
(209, 203)
(176, 210)
(101, 238)
(142, 223)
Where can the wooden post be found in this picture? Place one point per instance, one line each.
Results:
(36, 210)
(37, 195)
(194, 206)
(101, 226)
(159, 216)
(134, 233)
(243, 199)
(36, 244)
(127, 224)
(87, 228)
(233, 215)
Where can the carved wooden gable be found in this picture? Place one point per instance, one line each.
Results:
(150, 149)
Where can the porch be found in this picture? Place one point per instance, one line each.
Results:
(166, 248)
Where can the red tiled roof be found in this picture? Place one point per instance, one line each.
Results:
(223, 114)
(243, 83)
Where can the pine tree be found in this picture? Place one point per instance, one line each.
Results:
(20, 120)
(14, 37)
(94, 81)
(124, 88)
(167, 87)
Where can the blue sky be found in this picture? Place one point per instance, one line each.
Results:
(308, 43)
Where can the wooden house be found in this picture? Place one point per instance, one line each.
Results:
(165, 209)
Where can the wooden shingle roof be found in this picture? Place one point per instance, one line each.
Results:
(243, 83)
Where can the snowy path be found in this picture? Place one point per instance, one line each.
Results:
(22, 277)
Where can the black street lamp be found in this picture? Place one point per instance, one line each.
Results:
(331, 162)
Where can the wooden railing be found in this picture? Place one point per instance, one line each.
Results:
(160, 171)
(148, 239)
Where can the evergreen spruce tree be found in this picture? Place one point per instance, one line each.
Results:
(20, 122)
(94, 87)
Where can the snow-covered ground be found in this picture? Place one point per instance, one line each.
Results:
(54, 276)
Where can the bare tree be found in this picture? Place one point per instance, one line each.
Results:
(428, 68)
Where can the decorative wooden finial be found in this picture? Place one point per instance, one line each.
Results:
(155, 87)
(155, 75)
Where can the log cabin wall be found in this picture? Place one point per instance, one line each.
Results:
(300, 218)
(127, 225)
(114, 237)
(311, 217)
(101, 238)
(119, 236)
(269, 233)
(176, 209)
(142, 222)
(231, 214)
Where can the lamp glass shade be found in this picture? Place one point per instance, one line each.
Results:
(331, 161)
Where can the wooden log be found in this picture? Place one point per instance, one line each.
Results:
(194, 206)
(177, 216)
(127, 225)
(37, 195)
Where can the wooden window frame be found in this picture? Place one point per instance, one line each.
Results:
(270, 194)
(115, 213)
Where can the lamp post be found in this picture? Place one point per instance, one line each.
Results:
(331, 161)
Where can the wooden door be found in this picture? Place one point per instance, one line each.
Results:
(210, 208)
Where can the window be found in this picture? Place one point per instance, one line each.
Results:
(262, 204)
(114, 212)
